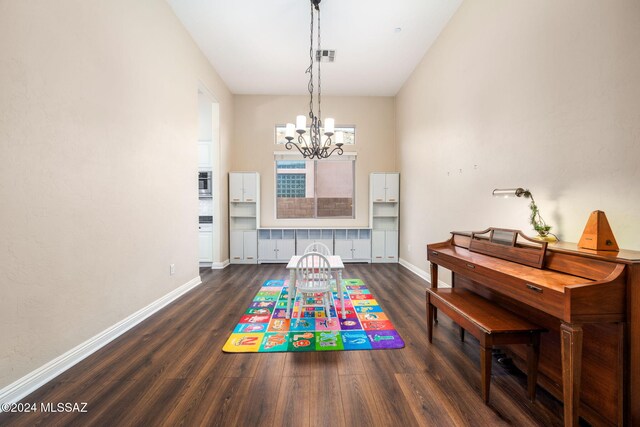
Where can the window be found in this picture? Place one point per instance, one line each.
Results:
(314, 189)
(348, 132)
(291, 185)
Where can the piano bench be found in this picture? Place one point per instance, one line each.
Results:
(491, 325)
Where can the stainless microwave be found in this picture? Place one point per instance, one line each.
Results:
(204, 184)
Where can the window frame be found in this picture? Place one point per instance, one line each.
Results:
(287, 156)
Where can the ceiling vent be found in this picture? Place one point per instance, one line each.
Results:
(325, 55)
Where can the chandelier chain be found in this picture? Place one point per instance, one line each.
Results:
(310, 69)
(318, 60)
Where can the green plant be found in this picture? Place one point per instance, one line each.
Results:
(536, 220)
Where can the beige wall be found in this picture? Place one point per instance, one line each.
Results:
(98, 195)
(253, 146)
(539, 94)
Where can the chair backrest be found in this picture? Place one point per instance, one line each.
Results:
(313, 273)
(318, 247)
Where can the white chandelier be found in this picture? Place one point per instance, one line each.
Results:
(313, 146)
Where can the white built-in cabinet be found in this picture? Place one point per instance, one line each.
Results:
(384, 216)
(205, 155)
(244, 212)
(384, 246)
(353, 244)
(276, 245)
(243, 187)
(205, 242)
(243, 247)
(250, 245)
(279, 245)
(385, 187)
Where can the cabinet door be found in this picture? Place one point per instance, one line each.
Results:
(204, 154)
(301, 245)
(236, 246)
(391, 246)
(362, 249)
(205, 244)
(286, 249)
(250, 245)
(266, 249)
(249, 187)
(377, 246)
(327, 242)
(377, 187)
(393, 187)
(235, 187)
(343, 248)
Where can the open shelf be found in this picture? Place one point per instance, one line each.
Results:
(385, 223)
(384, 209)
(242, 209)
(242, 223)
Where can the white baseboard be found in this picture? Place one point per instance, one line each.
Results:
(219, 265)
(35, 379)
(420, 272)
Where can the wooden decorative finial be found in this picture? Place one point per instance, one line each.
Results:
(597, 234)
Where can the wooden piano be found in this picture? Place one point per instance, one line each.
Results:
(588, 300)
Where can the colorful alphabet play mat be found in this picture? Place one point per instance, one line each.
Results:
(265, 328)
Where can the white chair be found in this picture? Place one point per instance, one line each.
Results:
(318, 247)
(324, 250)
(313, 277)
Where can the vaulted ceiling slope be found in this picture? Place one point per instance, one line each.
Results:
(262, 46)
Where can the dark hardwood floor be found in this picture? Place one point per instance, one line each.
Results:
(170, 370)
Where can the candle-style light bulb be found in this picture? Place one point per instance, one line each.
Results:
(301, 123)
(329, 126)
(290, 130)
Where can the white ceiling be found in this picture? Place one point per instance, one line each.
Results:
(262, 46)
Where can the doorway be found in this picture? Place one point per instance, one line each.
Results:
(209, 222)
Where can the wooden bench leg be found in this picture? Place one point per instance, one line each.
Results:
(461, 334)
(532, 365)
(430, 310)
(485, 368)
